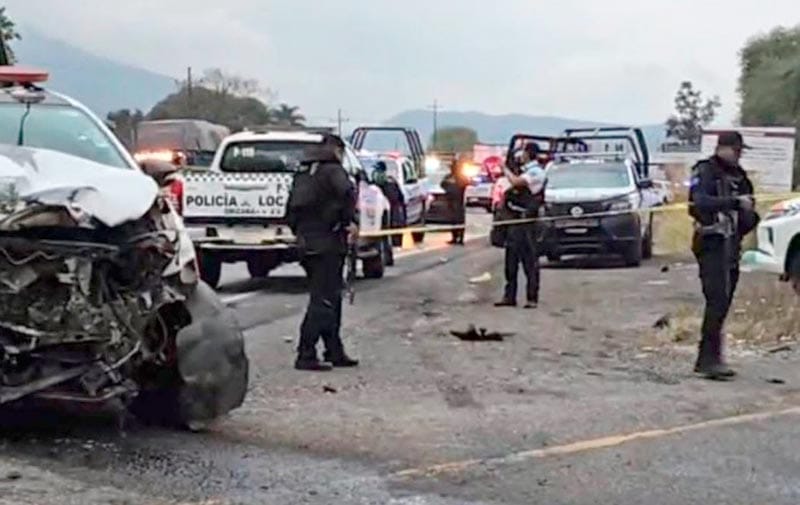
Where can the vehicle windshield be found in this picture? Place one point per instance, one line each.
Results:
(368, 162)
(60, 128)
(588, 175)
(265, 156)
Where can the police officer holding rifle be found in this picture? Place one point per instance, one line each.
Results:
(722, 204)
(322, 212)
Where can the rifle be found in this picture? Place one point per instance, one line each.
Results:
(351, 265)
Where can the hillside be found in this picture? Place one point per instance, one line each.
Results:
(102, 84)
(499, 128)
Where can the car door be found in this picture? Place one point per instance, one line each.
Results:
(413, 192)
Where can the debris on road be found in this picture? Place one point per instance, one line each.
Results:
(329, 389)
(663, 322)
(13, 475)
(481, 279)
(780, 348)
(665, 269)
(775, 381)
(480, 335)
(288, 339)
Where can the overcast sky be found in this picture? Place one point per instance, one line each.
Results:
(610, 60)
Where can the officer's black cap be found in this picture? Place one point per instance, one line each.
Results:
(532, 149)
(731, 139)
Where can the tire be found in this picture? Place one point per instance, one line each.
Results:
(647, 242)
(373, 267)
(389, 253)
(210, 269)
(633, 256)
(258, 268)
(794, 272)
(553, 257)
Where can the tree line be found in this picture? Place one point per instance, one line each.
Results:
(218, 97)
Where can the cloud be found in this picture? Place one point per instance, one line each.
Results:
(618, 60)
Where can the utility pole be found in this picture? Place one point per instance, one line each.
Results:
(435, 108)
(189, 90)
(340, 121)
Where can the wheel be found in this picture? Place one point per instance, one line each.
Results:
(259, 267)
(389, 253)
(373, 267)
(647, 242)
(553, 257)
(794, 272)
(633, 256)
(210, 269)
(418, 237)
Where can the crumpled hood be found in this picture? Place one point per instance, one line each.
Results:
(111, 195)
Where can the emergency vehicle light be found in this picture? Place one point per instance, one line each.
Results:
(13, 74)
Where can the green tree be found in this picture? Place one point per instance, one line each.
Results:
(769, 83)
(692, 114)
(217, 97)
(454, 139)
(287, 115)
(124, 123)
(8, 30)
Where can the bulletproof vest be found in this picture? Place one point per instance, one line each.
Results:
(521, 202)
(305, 192)
(309, 206)
(727, 185)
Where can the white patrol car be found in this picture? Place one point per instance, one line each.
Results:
(413, 186)
(778, 250)
(237, 208)
(590, 186)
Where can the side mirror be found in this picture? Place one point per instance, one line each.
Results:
(646, 184)
(158, 170)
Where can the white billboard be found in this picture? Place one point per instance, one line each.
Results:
(770, 162)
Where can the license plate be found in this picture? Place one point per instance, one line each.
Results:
(250, 236)
(228, 196)
(577, 223)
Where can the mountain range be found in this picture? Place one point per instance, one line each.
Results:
(105, 85)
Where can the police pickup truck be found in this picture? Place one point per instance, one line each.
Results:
(236, 210)
(598, 193)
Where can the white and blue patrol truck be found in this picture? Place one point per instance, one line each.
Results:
(236, 210)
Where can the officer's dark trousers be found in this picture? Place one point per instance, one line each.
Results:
(719, 277)
(324, 314)
(521, 249)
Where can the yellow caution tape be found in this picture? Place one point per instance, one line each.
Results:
(762, 198)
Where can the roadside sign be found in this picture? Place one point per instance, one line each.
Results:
(770, 162)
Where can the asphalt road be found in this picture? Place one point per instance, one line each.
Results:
(583, 404)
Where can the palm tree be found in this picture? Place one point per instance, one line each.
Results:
(8, 30)
(288, 115)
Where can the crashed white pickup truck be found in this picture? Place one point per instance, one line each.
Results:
(236, 210)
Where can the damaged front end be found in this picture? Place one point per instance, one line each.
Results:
(92, 313)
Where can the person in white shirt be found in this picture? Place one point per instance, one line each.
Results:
(523, 200)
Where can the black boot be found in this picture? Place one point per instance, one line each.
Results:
(312, 365)
(505, 302)
(341, 360)
(716, 371)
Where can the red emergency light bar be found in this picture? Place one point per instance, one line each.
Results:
(13, 74)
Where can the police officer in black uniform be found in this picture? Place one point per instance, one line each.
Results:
(322, 211)
(723, 207)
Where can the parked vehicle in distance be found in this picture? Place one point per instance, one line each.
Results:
(415, 191)
(183, 142)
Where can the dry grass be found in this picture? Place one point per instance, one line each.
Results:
(672, 231)
(765, 314)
